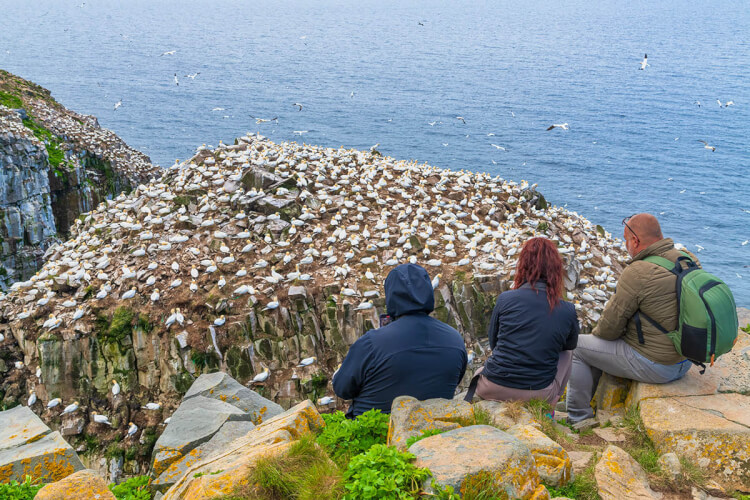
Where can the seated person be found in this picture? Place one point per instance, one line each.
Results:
(532, 332)
(414, 355)
(614, 345)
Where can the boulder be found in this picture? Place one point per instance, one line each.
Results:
(29, 447)
(504, 415)
(456, 455)
(619, 476)
(670, 464)
(221, 386)
(195, 421)
(223, 472)
(552, 461)
(410, 417)
(84, 484)
(580, 460)
(611, 394)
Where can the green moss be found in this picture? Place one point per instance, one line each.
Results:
(51, 142)
(542, 226)
(10, 101)
(181, 200)
(144, 323)
(425, 434)
(114, 451)
(122, 323)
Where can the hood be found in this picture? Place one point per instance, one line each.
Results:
(408, 290)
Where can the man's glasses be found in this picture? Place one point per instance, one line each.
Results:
(625, 223)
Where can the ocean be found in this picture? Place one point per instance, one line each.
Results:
(398, 74)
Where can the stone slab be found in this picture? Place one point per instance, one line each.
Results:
(224, 388)
(619, 476)
(410, 417)
(195, 422)
(19, 426)
(712, 431)
(228, 433)
(552, 461)
(609, 434)
(47, 459)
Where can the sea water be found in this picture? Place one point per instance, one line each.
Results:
(398, 73)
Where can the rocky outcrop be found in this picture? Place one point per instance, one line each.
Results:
(215, 411)
(552, 461)
(253, 257)
(704, 418)
(411, 417)
(54, 165)
(84, 484)
(30, 448)
(223, 472)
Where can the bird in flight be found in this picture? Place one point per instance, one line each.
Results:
(498, 147)
(299, 132)
(262, 120)
(298, 105)
(697, 103)
(168, 53)
(644, 63)
(420, 23)
(176, 81)
(118, 104)
(563, 126)
(461, 118)
(193, 75)
(707, 145)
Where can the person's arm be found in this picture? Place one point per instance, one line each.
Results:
(572, 341)
(622, 306)
(348, 380)
(494, 324)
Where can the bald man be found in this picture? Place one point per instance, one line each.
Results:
(615, 345)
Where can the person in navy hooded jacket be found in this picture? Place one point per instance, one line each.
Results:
(414, 355)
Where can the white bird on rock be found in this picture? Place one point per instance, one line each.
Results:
(132, 429)
(307, 361)
(70, 408)
(220, 320)
(115, 388)
(54, 402)
(262, 376)
(151, 406)
(101, 419)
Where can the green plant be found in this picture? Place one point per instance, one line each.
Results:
(121, 325)
(304, 472)
(746, 328)
(14, 490)
(344, 438)
(582, 487)
(10, 100)
(425, 434)
(135, 488)
(542, 226)
(482, 417)
(383, 472)
(481, 486)
(443, 493)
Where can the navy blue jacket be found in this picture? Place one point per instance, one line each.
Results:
(526, 338)
(415, 355)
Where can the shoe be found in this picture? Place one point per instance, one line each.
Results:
(585, 424)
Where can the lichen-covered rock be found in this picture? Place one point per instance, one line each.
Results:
(82, 485)
(713, 431)
(454, 456)
(228, 433)
(611, 394)
(224, 472)
(28, 447)
(410, 417)
(195, 422)
(619, 476)
(504, 415)
(221, 386)
(552, 461)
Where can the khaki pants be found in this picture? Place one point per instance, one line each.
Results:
(551, 393)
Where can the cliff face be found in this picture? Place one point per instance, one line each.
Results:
(54, 165)
(252, 257)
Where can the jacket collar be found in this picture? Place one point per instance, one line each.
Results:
(539, 285)
(658, 248)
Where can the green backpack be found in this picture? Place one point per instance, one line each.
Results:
(707, 326)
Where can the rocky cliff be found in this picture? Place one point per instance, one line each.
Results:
(54, 165)
(266, 261)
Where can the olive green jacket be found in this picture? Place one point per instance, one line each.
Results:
(651, 289)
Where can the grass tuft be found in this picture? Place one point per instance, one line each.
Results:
(582, 487)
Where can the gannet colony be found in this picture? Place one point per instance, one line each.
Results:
(267, 260)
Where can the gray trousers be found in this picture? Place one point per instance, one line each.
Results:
(594, 355)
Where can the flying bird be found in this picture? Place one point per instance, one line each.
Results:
(176, 81)
(461, 118)
(644, 63)
(263, 120)
(707, 146)
(118, 104)
(193, 75)
(563, 126)
(498, 147)
(298, 105)
(168, 53)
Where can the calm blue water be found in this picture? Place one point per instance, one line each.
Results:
(510, 68)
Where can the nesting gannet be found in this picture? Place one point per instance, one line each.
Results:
(155, 295)
(115, 388)
(326, 400)
(54, 402)
(307, 361)
(132, 429)
(151, 406)
(70, 408)
(220, 320)
(101, 419)
(273, 304)
(32, 398)
(262, 376)
(129, 294)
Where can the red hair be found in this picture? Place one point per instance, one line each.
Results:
(540, 260)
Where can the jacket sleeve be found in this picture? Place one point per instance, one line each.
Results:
(348, 380)
(494, 324)
(622, 306)
(575, 329)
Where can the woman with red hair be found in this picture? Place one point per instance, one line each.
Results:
(532, 332)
